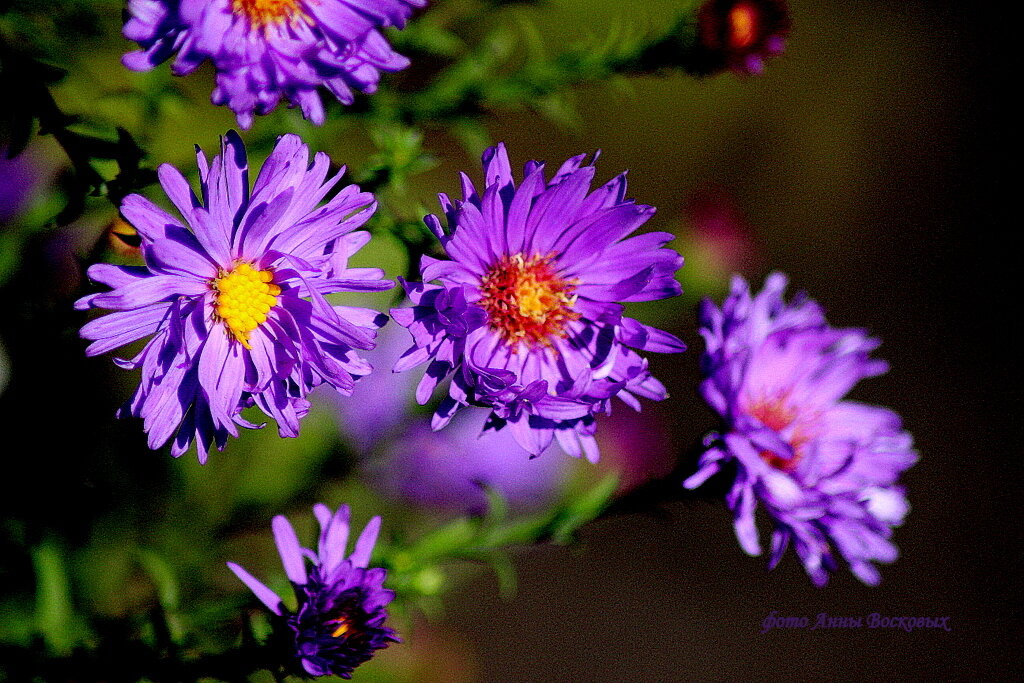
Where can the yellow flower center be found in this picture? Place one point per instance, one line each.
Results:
(244, 296)
(526, 301)
(264, 12)
(343, 627)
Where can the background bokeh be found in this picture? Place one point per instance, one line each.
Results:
(862, 163)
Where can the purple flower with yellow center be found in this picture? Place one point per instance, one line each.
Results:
(339, 621)
(264, 50)
(233, 293)
(525, 317)
(739, 35)
(824, 468)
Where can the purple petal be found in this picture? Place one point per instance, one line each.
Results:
(360, 556)
(334, 538)
(266, 596)
(289, 549)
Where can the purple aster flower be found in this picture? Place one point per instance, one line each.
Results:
(825, 469)
(233, 296)
(525, 318)
(264, 50)
(339, 621)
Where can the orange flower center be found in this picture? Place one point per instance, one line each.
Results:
(526, 301)
(264, 12)
(344, 627)
(742, 25)
(244, 296)
(776, 415)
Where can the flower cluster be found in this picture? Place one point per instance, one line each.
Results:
(264, 50)
(824, 468)
(339, 621)
(525, 317)
(517, 320)
(233, 296)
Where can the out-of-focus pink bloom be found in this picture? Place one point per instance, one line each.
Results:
(639, 446)
(380, 404)
(717, 242)
(442, 470)
(20, 179)
(448, 470)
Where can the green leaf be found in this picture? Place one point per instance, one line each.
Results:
(447, 540)
(497, 513)
(584, 508)
(162, 575)
(508, 581)
(54, 615)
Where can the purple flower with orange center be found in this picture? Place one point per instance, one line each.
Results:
(264, 50)
(739, 35)
(825, 469)
(525, 318)
(233, 293)
(342, 603)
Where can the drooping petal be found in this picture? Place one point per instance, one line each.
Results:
(265, 595)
